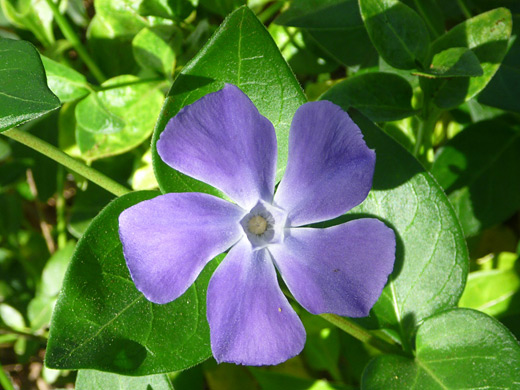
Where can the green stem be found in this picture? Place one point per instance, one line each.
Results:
(426, 127)
(64, 159)
(60, 208)
(5, 330)
(464, 9)
(120, 85)
(267, 14)
(71, 36)
(4, 379)
(362, 334)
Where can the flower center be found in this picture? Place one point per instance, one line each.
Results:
(257, 225)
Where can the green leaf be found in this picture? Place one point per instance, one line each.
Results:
(90, 379)
(457, 349)
(64, 81)
(493, 291)
(431, 255)
(241, 52)
(479, 168)
(502, 91)
(102, 322)
(337, 27)
(169, 9)
(486, 35)
(432, 15)
(380, 96)
(118, 118)
(24, 94)
(397, 32)
(33, 15)
(152, 50)
(454, 62)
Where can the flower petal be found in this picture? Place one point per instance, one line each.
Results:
(222, 140)
(169, 239)
(330, 167)
(341, 269)
(250, 320)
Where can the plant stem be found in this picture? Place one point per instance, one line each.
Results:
(64, 159)
(60, 208)
(268, 13)
(464, 9)
(426, 127)
(24, 333)
(71, 36)
(4, 379)
(362, 334)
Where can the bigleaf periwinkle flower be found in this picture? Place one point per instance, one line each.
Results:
(224, 141)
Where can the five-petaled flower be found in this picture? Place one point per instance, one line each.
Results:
(224, 141)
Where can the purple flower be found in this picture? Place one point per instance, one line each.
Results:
(223, 140)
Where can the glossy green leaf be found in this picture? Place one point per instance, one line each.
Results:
(24, 94)
(169, 9)
(33, 15)
(118, 118)
(102, 322)
(152, 50)
(242, 53)
(90, 380)
(431, 256)
(457, 349)
(380, 96)
(479, 168)
(397, 32)
(503, 91)
(64, 81)
(454, 62)
(495, 292)
(337, 27)
(487, 36)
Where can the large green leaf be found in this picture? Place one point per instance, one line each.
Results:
(431, 256)
(337, 27)
(117, 118)
(241, 52)
(397, 32)
(24, 94)
(503, 90)
(457, 349)
(64, 81)
(102, 322)
(479, 169)
(487, 36)
(90, 380)
(380, 96)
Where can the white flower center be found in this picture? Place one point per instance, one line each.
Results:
(257, 225)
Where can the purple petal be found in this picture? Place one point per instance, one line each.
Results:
(222, 140)
(330, 167)
(250, 320)
(341, 269)
(169, 239)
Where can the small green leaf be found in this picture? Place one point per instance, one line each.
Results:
(397, 32)
(24, 94)
(90, 380)
(118, 118)
(457, 349)
(502, 91)
(479, 168)
(152, 50)
(337, 27)
(486, 35)
(241, 52)
(493, 291)
(64, 81)
(380, 96)
(102, 322)
(454, 62)
(169, 9)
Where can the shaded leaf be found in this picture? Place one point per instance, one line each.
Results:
(152, 50)
(454, 62)
(379, 96)
(102, 322)
(24, 94)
